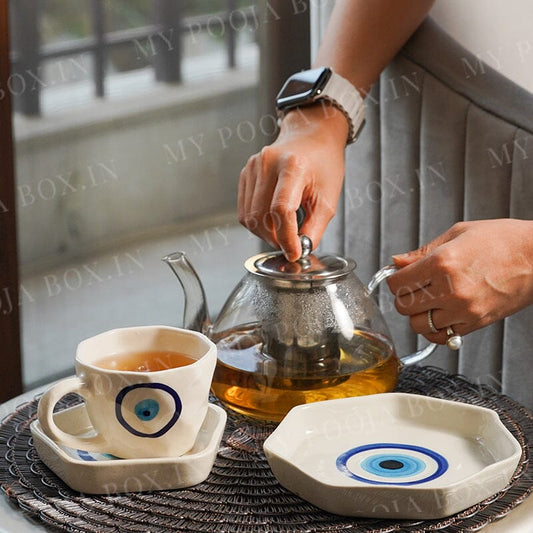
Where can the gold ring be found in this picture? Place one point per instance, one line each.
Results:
(430, 322)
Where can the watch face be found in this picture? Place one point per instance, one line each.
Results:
(301, 88)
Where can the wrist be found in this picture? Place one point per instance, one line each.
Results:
(322, 117)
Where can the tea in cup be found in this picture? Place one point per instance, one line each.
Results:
(146, 391)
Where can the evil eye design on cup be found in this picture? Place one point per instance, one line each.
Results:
(148, 409)
(392, 464)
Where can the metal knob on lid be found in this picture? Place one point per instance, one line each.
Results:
(307, 246)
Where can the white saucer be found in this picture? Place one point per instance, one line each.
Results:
(97, 473)
(392, 455)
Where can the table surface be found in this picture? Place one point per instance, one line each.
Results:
(12, 520)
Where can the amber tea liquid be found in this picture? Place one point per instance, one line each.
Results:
(147, 361)
(253, 384)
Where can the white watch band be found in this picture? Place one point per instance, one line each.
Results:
(343, 95)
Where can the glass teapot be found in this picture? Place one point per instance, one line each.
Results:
(294, 332)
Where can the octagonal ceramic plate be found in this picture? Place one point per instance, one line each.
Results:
(392, 455)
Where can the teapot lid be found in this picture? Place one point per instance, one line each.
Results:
(312, 268)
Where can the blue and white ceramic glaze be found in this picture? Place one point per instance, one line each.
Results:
(392, 455)
(392, 464)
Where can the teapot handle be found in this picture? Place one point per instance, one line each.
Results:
(414, 357)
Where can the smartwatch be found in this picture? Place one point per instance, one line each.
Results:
(309, 86)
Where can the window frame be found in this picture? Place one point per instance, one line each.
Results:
(9, 283)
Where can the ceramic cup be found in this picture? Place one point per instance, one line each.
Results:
(137, 413)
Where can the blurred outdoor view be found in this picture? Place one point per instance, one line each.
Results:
(199, 35)
(132, 120)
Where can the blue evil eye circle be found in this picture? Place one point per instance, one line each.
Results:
(392, 464)
(148, 409)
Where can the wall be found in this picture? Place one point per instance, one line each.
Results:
(106, 192)
(498, 31)
(92, 178)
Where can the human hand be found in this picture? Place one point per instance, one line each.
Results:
(470, 276)
(304, 166)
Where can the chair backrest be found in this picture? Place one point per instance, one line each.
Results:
(446, 139)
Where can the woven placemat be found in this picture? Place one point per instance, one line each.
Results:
(241, 495)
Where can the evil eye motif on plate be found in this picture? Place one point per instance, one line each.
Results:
(74, 453)
(94, 456)
(392, 464)
(148, 409)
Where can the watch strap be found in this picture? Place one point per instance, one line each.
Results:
(344, 96)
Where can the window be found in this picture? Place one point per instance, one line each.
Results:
(132, 121)
(66, 51)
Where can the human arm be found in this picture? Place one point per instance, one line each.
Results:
(472, 275)
(305, 164)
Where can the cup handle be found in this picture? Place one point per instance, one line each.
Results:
(414, 357)
(45, 412)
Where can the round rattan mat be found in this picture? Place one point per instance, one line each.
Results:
(241, 495)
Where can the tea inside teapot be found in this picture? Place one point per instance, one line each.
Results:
(250, 382)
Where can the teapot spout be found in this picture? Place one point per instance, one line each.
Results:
(195, 313)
